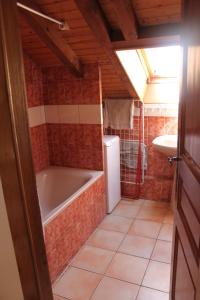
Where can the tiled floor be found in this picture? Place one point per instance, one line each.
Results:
(127, 257)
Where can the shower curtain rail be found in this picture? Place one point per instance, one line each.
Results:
(62, 24)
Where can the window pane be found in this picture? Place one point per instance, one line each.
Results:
(164, 61)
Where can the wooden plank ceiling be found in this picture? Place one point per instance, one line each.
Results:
(140, 23)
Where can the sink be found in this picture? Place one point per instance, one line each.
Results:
(166, 144)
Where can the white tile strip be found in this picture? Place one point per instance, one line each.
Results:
(90, 114)
(161, 110)
(36, 116)
(51, 114)
(66, 114)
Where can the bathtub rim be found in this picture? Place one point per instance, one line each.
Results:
(95, 175)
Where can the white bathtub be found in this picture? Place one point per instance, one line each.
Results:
(59, 186)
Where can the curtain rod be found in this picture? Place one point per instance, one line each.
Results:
(62, 24)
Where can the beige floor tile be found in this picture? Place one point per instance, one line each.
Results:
(132, 201)
(126, 210)
(169, 218)
(93, 259)
(157, 276)
(138, 246)
(128, 268)
(77, 284)
(149, 213)
(116, 223)
(166, 232)
(59, 298)
(106, 239)
(151, 203)
(145, 228)
(113, 289)
(162, 251)
(149, 294)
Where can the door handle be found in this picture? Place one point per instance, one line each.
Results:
(171, 159)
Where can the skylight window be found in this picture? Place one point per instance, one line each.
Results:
(163, 61)
(153, 72)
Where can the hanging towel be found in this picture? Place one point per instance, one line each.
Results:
(118, 114)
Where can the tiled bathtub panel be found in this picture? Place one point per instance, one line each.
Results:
(40, 150)
(66, 233)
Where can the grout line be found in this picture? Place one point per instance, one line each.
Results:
(69, 266)
(155, 289)
(104, 275)
(61, 297)
(86, 270)
(149, 259)
(116, 251)
(167, 293)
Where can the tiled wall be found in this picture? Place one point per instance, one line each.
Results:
(66, 130)
(159, 119)
(76, 222)
(65, 116)
(73, 115)
(38, 129)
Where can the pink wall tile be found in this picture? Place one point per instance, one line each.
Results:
(40, 149)
(67, 232)
(72, 145)
(61, 87)
(159, 175)
(76, 145)
(34, 82)
(38, 134)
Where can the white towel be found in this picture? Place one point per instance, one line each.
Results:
(118, 114)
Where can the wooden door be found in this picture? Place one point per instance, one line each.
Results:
(16, 167)
(185, 283)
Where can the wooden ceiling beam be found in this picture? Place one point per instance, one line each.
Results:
(52, 38)
(93, 16)
(126, 18)
(162, 30)
(152, 36)
(146, 43)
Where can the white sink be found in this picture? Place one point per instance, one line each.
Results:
(166, 144)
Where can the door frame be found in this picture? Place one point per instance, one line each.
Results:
(16, 166)
(182, 229)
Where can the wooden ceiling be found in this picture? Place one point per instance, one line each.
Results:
(97, 29)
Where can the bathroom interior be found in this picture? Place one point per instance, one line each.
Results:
(86, 168)
(103, 157)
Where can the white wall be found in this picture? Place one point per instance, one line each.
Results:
(133, 67)
(162, 93)
(10, 286)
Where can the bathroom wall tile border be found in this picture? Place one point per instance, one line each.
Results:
(65, 114)
(36, 115)
(161, 110)
(157, 109)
